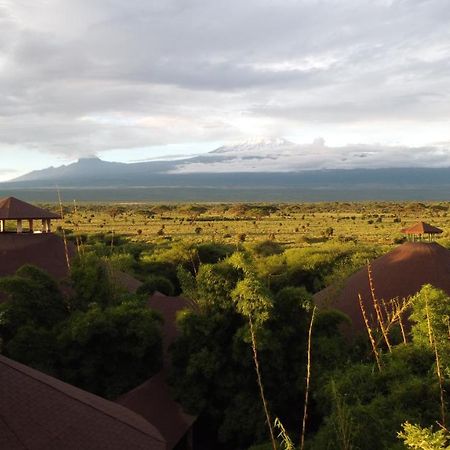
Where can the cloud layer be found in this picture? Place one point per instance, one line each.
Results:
(284, 156)
(89, 76)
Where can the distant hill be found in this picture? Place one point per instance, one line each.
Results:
(264, 170)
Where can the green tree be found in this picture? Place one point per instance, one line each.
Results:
(91, 282)
(33, 298)
(110, 351)
(213, 369)
(431, 316)
(156, 283)
(377, 403)
(418, 438)
(253, 301)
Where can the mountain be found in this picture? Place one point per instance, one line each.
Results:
(92, 170)
(260, 170)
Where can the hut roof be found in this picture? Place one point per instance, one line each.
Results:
(46, 251)
(422, 228)
(400, 273)
(153, 399)
(39, 411)
(13, 208)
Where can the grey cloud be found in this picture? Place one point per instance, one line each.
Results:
(88, 76)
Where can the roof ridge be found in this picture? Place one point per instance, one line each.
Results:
(37, 376)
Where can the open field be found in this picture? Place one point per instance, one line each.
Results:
(288, 224)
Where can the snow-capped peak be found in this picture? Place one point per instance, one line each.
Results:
(258, 145)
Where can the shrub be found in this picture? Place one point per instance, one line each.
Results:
(267, 248)
(156, 283)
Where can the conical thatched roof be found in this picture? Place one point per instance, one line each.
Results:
(422, 228)
(46, 251)
(399, 273)
(12, 208)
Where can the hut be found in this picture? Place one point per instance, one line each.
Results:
(12, 208)
(421, 230)
(398, 274)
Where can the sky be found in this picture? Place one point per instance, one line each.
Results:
(142, 79)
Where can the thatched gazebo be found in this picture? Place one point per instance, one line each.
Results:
(12, 208)
(420, 230)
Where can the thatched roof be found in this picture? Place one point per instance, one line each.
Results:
(400, 273)
(46, 251)
(41, 412)
(422, 228)
(12, 208)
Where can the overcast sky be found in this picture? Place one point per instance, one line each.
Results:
(137, 79)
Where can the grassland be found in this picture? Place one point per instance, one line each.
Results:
(289, 224)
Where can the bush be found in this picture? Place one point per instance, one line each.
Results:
(110, 351)
(210, 253)
(156, 283)
(267, 248)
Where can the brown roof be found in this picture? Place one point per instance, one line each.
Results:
(125, 280)
(168, 307)
(13, 208)
(153, 399)
(399, 273)
(40, 412)
(422, 228)
(46, 251)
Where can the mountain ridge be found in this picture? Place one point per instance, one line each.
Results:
(262, 168)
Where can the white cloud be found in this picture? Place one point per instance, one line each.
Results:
(286, 156)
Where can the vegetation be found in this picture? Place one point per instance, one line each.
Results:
(241, 359)
(100, 340)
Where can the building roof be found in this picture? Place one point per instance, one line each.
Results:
(40, 412)
(14, 209)
(153, 399)
(46, 251)
(400, 273)
(422, 228)
(168, 307)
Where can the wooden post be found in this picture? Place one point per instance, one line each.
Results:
(30, 221)
(2, 225)
(19, 226)
(44, 226)
(49, 226)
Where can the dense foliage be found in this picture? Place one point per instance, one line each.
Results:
(92, 336)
